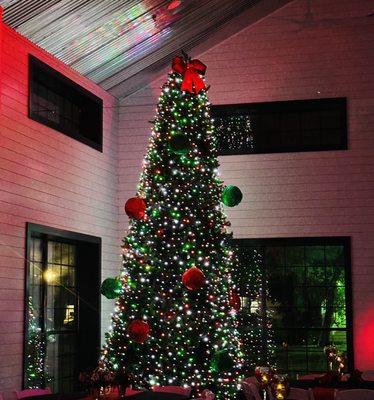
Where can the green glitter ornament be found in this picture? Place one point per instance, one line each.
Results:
(222, 361)
(111, 288)
(231, 196)
(179, 144)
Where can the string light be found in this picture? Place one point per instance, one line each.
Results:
(184, 226)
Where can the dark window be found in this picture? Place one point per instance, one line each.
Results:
(308, 286)
(284, 126)
(62, 324)
(61, 104)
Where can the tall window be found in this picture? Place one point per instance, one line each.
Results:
(309, 298)
(62, 296)
(61, 104)
(282, 126)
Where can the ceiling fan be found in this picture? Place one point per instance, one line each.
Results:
(309, 20)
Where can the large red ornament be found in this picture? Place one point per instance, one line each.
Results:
(139, 331)
(193, 278)
(234, 301)
(191, 71)
(135, 207)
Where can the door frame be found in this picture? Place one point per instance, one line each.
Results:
(50, 233)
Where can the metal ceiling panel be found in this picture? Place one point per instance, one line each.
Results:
(110, 41)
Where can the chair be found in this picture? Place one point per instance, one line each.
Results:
(173, 389)
(250, 391)
(1, 397)
(355, 394)
(20, 394)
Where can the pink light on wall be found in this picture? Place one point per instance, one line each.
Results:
(364, 340)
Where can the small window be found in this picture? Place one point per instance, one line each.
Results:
(286, 126)
(63, 105)
(307, 282)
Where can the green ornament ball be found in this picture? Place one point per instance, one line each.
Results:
(222, 361)
(179, 144)
(111, 288)
(231, 196)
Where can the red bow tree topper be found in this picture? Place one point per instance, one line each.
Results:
(191, 71)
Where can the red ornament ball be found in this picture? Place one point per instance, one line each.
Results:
(139, 331)
(234, 301)
(193, 278)
(135, 208)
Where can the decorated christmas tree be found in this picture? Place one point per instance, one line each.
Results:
(175, 319)
(35, 350)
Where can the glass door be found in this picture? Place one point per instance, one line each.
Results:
(62, 306)
(52, 316)
(61, 314)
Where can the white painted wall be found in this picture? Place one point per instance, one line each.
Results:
(49, 179)
(294, 194)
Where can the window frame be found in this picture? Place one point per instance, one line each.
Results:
(344, 241)
(47, 233)
(36, 64)
(276, 106)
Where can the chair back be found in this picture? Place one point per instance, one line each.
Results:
(250, 391)
(355, 394)
(299, 394)
(20, 394)
(173, 389)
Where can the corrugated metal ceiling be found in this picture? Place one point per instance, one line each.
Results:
(111, 41)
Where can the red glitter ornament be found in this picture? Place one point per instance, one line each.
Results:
(139, 331)
(135, 208)
(193, 278)
(234, 301)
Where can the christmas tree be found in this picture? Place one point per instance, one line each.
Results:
(255, 320)
(175, 319)
(35, 350)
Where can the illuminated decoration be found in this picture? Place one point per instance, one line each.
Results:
(255, 322)
(231, 196)
(135, 208)
(193, 278)
(174, 4)
(234, 133)
(192, 72)
(139, 331)
(35, 376)
(50, 276)
(111, 288)
(264, 376)
(335, 358)
(69, 314)
(280, 386)
(184, 228)
(234, 300)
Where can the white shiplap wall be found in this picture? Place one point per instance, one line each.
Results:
(296, 194)
(49, 179)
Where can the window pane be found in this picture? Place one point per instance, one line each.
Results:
(306, 300)
(304, 125)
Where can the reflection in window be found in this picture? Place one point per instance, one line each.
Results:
(282, 126)
(52, 327)
(308, 291)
